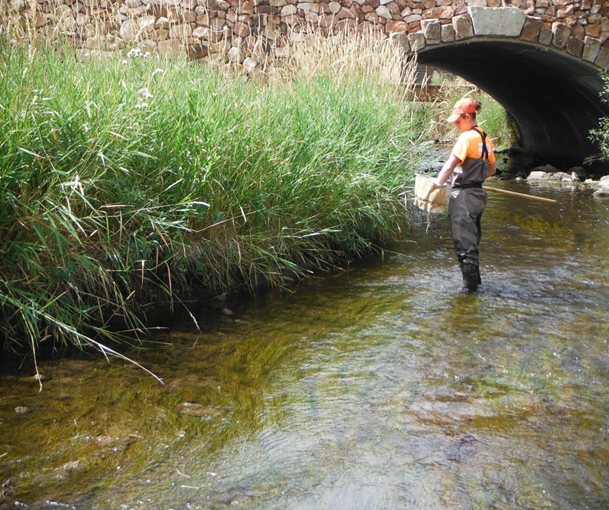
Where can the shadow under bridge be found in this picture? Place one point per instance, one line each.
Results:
(553, 98)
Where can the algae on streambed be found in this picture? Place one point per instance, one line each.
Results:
(95, 419)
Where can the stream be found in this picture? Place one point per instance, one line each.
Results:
(381, 387)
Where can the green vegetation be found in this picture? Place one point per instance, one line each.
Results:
(127, 182)
(601, 135)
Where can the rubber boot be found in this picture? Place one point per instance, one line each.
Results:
(471, 277)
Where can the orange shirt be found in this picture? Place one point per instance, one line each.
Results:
(469, 145)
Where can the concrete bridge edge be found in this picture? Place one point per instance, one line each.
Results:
(506, 23)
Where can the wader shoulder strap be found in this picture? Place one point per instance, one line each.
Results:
(484, 147)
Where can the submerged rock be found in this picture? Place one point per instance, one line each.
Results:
(602, 193)
(74, 465)
(104, 440)
(70, 467)
(36, 378)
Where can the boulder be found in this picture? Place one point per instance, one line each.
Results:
(563, 177)
(549, 169)
(537, 175)
(579, 172)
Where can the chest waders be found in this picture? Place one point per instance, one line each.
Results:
(465, 207)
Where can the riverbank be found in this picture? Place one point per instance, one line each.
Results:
(130, 181)
(134, 180)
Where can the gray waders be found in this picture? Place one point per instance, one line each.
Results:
(465, 208)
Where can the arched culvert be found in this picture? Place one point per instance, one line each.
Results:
(554, 98)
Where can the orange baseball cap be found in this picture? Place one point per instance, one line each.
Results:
(465, 105)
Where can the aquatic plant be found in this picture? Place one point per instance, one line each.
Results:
(127, 182)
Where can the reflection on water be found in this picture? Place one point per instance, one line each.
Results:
(379, 388)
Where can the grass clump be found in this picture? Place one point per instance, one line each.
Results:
(128, 181)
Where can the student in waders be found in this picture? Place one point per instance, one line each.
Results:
(471, 161)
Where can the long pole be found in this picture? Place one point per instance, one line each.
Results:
(522, 195)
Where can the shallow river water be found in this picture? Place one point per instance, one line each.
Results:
(383, 387)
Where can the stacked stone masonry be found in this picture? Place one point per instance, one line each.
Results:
(233, 30)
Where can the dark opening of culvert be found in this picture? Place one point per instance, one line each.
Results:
(554, 99)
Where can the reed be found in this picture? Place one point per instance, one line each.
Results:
(130, 181)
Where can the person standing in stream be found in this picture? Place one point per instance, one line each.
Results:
(471, 161)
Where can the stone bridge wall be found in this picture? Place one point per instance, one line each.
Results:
(232, 29)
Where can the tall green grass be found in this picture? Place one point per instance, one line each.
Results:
(125, 182)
